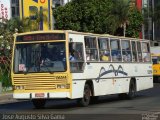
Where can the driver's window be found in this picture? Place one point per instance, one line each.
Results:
(76, 56)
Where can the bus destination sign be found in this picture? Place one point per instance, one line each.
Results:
(40, 37)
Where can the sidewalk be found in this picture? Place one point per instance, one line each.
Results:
(7, 98)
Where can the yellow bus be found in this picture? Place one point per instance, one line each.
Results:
(156, 67)
(42, 67)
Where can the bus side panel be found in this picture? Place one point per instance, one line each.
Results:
(111, 86)
(103, 87)
(144, 83)
(142, 73)
(78, 88)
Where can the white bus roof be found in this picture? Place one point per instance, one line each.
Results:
(84, 33)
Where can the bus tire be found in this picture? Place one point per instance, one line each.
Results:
(39, 103)
(86, 96)
(122, 96)
(132, 90)
(94, 99)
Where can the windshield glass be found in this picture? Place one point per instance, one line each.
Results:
(156, 59)
(40, 57)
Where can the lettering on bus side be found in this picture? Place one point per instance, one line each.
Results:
(61, 77)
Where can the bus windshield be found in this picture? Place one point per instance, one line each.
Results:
(156, 59)
(40, 57)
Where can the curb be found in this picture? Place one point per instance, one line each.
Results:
(7, 98)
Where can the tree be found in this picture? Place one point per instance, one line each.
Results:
(6, 41)
(135, 19)
(22, 25)
(27, 24)
(119, 15)
(84, 15)
(96, 16)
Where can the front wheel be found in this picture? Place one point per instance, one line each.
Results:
(86, 96)
(39, 103)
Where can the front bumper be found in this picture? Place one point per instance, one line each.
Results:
(45, 95)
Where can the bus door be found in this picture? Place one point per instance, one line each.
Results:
(76, 56)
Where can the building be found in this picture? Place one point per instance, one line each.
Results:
(57, 3)
(15, 8)
(156, 27)
(5, 10)
(150, 29)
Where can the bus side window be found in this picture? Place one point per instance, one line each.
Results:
(91, 48)
(104, 49)
(126, 51)
(139, 51)
(115, 50)
(146, 52)
(134, 51)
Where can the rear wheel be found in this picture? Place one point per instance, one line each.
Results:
(86, 96)
(156, 79)
(122, 96)
(131, 94)
(39, 103)
(94, 99)
(132, 90)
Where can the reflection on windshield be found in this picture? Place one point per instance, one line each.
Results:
(42, 57)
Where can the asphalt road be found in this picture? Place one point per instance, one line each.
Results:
(146, 106)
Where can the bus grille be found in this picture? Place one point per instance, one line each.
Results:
(38, 82)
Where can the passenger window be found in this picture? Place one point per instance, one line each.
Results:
(126, 51)
(91, 48)
(146, 56)
(115, 50)
(139, 51)
(104, 51)
(134, 52)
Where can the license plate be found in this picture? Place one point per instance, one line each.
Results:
(39, 95)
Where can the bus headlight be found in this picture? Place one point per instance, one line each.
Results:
(18, 87)
(63, 86)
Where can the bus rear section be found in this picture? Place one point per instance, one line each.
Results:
(39, 67)
(109, 65)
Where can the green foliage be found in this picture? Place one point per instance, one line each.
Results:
(135, 23)
(6, 42)
(96, 16)
(84, 15)
(26, 24)
(6, 39)
(119, 14)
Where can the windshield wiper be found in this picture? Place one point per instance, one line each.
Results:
(51, 72)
